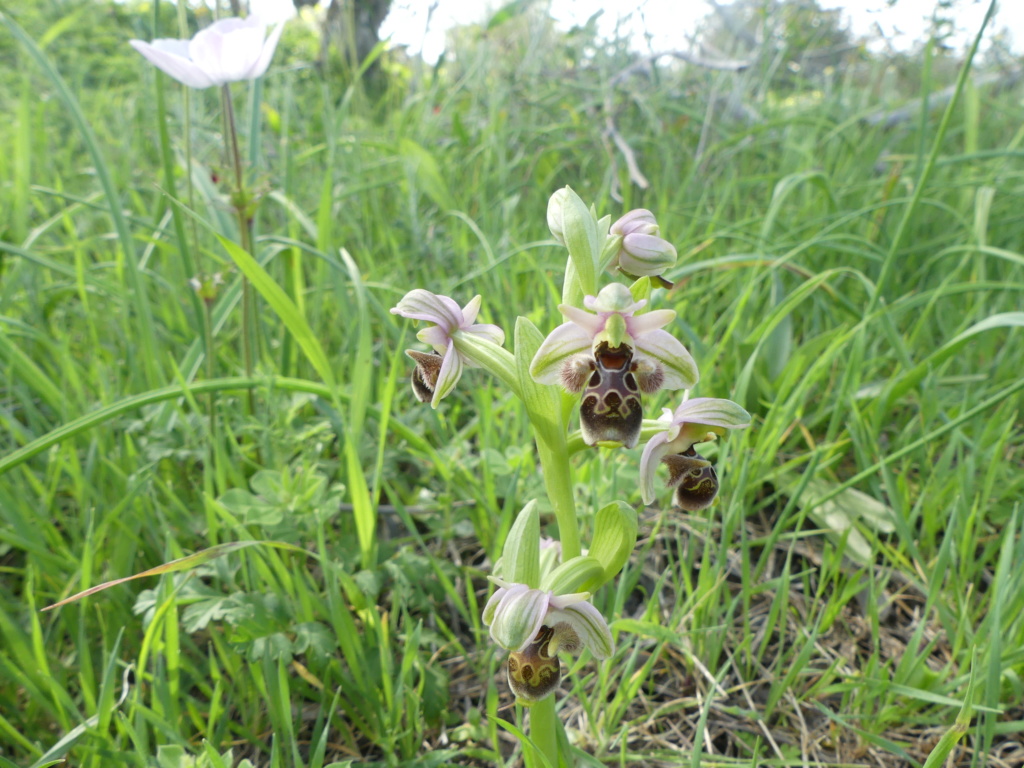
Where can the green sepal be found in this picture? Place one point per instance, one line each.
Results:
(615, 531)
(579, 227)
(615, 332)
(609, 250)
(494, 359)
(641, 290)
(520, 559)
(580, 574)
(542, 401)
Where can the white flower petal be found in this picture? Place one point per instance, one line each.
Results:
(419, 304)
(448, 377)
(589, 624)
(228, 54)
(679, 367)
(267, 53)
(167, 58)
(656, 448)
(566, 340)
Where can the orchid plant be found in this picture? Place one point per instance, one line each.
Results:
(611, 353)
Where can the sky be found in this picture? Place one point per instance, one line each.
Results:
(657, 25)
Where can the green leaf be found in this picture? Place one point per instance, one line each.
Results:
(181, 564)
(615, 532)
(284, 308)
(520, 560)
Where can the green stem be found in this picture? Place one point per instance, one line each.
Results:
(554, 462)
(240, 202)
(544, 730)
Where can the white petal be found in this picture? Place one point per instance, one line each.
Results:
(680, 369)
(566, 340)
(269, 46)
(167, 58)
(451, 372)
(712, 411)
(589, 624)
(227, 51)
(655, 449)
(419, 304)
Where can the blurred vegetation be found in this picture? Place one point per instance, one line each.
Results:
(871, 323)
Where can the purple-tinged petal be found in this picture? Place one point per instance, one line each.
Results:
(651, 321)
(566, 340)
(165, 56)
(419, 304)
(588, 321)
(451, 372)
(663, 348)
(656, 448)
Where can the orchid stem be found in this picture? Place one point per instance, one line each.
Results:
(544, 730)
(240, 202)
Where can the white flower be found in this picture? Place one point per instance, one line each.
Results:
(226, 51)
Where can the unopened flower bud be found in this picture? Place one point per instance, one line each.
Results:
(639, 221)
(555, 217)
(641, 252)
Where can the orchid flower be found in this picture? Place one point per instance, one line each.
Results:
(536, 624)
(639, 251)
(226, 51)
(611, 356)
(693, 477)
(437, 374)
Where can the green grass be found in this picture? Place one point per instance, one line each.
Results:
(853, 598)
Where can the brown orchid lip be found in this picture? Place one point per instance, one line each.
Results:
(694, 479)
(425, 374)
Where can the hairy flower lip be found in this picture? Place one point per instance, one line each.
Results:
(227, 51)
(687, 425)
(448, 321)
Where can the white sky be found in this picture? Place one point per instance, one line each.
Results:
(668, 21)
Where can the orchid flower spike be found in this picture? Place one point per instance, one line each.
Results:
(639, 250)
(693, 477)
(611, 356)
(226, 51)
(437, 373)
(536, 624)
